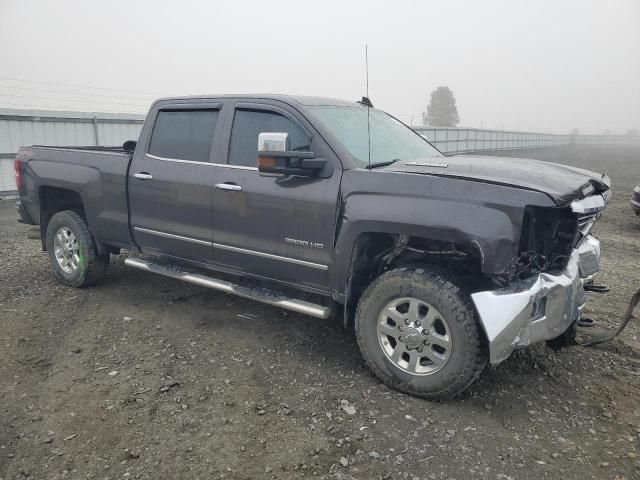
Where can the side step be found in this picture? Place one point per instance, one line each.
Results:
(263, 296)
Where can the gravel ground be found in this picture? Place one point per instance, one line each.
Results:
(147, 377)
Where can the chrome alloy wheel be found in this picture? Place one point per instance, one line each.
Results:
(66, 250)
(414, 336)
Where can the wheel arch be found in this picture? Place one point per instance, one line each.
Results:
(57, 199)
(373, 253)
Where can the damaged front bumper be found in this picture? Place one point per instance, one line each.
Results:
(539, 308)
(635, 200)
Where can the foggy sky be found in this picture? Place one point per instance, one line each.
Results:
(530, 65)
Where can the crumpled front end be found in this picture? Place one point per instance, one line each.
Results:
(538, 308)
(635, 200)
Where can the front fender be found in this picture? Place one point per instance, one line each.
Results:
(487, 218)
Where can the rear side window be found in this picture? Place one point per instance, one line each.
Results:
(247, 124)
(183, 134)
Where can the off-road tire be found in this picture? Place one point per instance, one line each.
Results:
(92, 266)
(441, 289)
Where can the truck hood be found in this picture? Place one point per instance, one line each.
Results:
(561, 182)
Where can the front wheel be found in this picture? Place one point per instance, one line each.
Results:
(419, 334)
(72, 252)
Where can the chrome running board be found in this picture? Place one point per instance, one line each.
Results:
(264, 296)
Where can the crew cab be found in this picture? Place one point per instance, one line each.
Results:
(331, 208)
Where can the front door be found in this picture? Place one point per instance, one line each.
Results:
(274, 226)
(170, 183)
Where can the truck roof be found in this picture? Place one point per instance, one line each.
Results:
(299, 99)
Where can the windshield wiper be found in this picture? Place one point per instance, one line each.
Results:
(382, 164)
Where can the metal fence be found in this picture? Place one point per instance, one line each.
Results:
(32, 127)
(42, 127)
(461, 140)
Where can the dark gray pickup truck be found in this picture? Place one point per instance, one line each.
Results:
(326, 207)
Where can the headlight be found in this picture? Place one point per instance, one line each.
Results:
(587, 190)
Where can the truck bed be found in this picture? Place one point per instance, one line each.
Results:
(98, 174)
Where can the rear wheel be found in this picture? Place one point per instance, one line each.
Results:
(72, 252)
(418, 332)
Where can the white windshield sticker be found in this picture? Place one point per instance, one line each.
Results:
(427, 164)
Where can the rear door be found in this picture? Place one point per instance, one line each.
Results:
(170, 182)
(274, 226)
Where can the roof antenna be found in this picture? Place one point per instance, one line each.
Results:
(365, 101)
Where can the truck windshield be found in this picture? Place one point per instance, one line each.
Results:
(390, 140)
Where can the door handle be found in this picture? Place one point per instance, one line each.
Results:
(143, 176)
(229, 186)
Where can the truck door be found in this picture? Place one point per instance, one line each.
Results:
(274, 226)
(170, 182)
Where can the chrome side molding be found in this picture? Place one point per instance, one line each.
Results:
(231, 248)
(172, 236)
(276, 300)
(271, 256)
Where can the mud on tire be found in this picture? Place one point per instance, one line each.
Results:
(456, 342)
(90, 266)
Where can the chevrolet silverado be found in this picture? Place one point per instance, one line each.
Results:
(441, 264)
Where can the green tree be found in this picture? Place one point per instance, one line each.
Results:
(442, 110)
(633, 132)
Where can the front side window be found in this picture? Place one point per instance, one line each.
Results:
(390, 140)
(183, 134)
(247, 124)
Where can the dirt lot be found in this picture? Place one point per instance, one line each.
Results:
(146, 377)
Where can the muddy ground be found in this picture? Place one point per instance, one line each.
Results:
(147, 377)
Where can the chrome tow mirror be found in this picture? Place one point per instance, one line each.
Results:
(273, 142)
(275, 156)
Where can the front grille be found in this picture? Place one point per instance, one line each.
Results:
(585, 222)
